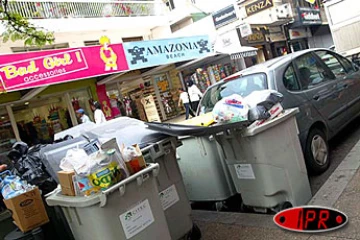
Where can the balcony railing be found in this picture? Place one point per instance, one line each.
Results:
(41, 9)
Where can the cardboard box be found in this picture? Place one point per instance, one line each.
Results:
(136, 164)
(67, 183)
(28, 210)
(275, 111)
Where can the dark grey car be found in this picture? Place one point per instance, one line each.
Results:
(322, 84)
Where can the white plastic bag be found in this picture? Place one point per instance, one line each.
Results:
(231, 109)
(77, 160)
(266, 98)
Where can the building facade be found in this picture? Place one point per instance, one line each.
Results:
(35, 115)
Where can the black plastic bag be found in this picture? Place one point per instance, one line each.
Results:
(258, 113)
(28, 164)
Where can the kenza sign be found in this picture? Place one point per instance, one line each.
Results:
(258, 6)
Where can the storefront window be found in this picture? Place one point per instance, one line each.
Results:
(7, 137)
(299, 45)
(82, 99)
(38, 120)
(163, 85)
(205, 76)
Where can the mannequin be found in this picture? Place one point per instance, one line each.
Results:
(168, 108)
(128, 108)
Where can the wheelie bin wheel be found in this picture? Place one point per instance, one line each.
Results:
(219, 206)
(194, 234)
(285, 205)
(244, 208)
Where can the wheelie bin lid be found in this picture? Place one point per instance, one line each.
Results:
(178, 130)
(127, 131)
(74, 131)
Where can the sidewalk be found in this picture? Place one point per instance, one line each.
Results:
(341, 191)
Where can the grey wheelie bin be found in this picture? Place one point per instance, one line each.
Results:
(131, 209)
(267, 164)
(201, 154)
(161, 149)
(172, 191)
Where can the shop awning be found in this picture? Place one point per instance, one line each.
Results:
(201, 61)
(143, 73)
(238, 52)
(228, 43)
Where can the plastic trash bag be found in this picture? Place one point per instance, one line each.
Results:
(76, 160)
(265, 98)
(28, 165)
(258, 113)
(231, 109)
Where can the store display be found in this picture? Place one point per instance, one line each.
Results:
(205, 76)
(167, 106)
(128, 107)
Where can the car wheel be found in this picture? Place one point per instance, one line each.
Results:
(317, 152)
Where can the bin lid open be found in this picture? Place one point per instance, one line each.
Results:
(184, 130)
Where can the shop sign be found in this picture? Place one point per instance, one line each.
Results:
(150, 109)
(298, 33)
(256, 37)
(166, 51)
(258, 6)
(245, 30)
(309, 16)
(224, 16)
(34, 69)
(227, 41)
(276, 34)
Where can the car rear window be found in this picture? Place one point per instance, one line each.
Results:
(242, 86)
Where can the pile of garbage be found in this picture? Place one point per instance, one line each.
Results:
(12, 185)
(27, 163)
(96, 167)
(257, 107)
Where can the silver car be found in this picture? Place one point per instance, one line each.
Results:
(322, 84)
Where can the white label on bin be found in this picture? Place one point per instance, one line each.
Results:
(169, 197)
(244, 171)
(137, 219)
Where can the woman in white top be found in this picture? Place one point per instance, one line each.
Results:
(98, 113)
(184, 99)
(195, 94)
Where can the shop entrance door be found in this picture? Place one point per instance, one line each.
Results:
(164, 96)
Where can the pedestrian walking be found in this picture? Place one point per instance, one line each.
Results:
(184, 99)
(195, 95)
(82, 116)
(98, 113)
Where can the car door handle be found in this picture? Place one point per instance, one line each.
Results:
(316, 97)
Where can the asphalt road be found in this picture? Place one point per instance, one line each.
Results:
(340, 146)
